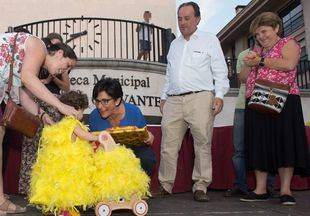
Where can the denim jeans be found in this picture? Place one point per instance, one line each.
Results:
(238, 155)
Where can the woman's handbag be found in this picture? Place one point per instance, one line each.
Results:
(16, 117)
(268, 97)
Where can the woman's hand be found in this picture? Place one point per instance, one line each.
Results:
(251, 59)
(67, 110)
(47, 80)
(251, 54)
(150, 139)
(47, 120)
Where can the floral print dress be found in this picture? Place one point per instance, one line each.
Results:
(6, 47)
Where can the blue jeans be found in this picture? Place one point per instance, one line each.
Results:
(238, 155)
(147, 158)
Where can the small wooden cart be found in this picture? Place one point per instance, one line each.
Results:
(138, 206)
(105, 208)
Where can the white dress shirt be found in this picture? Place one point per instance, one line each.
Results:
(195, 65)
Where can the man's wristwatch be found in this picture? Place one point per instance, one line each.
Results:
(261, 62)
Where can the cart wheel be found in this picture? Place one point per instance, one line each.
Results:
(103, 209)
(140, 208)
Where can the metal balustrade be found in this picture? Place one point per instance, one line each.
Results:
(93, 37)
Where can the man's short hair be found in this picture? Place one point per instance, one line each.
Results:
(147, 12)
(194, 5)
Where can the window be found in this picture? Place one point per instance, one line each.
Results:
(292, 18)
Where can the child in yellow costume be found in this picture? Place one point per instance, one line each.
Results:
(68, 173)
(62, 174)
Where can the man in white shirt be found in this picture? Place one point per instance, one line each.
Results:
(196, 82)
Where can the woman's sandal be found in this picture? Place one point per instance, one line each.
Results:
(11, 208)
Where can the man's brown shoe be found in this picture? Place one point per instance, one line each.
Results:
(201, 196)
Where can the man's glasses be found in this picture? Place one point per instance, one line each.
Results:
(103, 102)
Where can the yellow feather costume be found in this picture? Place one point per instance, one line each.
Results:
(62, 175)
(119, 175)
(68, 174)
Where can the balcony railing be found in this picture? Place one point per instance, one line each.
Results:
(293, 23)
(303, 73)
(92, 37)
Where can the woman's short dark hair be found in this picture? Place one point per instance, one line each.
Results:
(194, 5)
(52, 48)
(267, 19)
(111, 86)
(46, 41)
(77, 99)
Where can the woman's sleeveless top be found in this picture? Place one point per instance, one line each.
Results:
(284, 77)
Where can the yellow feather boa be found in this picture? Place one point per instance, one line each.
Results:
(69, 174)
(119, 175)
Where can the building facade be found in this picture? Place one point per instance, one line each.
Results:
(235, 36)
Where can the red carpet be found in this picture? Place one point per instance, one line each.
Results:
(223, 172)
